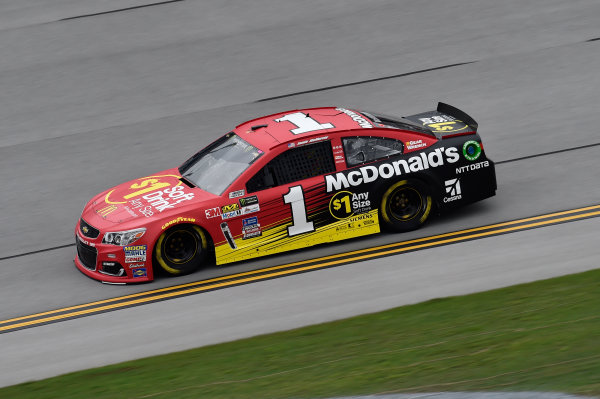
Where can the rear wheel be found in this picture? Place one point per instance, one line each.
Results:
(181, 249)
(405, 205)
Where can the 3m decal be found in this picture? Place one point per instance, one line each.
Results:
(212, 213)
(295, 197)
(444, 123)
(370, 173)
(362, 122)
(471, 150)
(452, 190)
(304, 123)
(474, 166)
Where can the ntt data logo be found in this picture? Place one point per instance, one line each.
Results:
(452, 190)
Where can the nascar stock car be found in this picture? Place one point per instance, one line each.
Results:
(282, 182)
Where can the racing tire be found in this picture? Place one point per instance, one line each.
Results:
(181, 249)
(405, 205)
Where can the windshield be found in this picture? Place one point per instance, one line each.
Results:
(218, 165)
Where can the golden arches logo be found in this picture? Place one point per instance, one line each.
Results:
(107, 210)
(143, 185)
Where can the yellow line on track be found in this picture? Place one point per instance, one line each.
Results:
(317, 263)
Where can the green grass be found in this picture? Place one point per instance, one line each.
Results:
(543, 336)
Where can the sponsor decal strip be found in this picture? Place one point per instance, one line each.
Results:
(386, 170)
(216, 283)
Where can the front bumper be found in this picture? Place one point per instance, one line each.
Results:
(108, 263)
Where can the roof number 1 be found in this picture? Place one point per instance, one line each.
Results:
(304, 123)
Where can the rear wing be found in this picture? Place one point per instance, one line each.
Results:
(445, 122)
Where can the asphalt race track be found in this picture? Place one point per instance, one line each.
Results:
(96, 93)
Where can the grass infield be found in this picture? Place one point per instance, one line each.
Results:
(542, 336)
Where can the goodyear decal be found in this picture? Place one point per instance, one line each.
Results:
(178, 220)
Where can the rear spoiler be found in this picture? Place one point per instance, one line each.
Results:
(445, 122)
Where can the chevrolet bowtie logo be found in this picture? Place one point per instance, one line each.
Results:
(85, 229)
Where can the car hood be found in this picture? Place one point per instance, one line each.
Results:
(146, 199)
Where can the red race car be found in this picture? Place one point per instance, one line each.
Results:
(283, 182)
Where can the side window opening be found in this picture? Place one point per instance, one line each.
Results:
(295, 164)
(360, 150)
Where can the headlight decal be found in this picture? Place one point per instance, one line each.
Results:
(122, 238)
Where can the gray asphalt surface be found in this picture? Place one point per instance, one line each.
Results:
(88, 103)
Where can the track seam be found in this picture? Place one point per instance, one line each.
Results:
(120, 10)
(548, 153)
(360, 82)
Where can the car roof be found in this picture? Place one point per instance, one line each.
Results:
(266, 132)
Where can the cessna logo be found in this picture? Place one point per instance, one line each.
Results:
(452, 190)
(370, 173)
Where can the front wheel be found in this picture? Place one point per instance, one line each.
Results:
(405, 205)
(181, 249)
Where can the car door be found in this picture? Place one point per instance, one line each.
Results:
(281, 207)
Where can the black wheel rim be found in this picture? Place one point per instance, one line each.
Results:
(180, 246)
(405, 203)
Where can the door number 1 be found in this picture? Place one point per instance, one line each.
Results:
(295, 197)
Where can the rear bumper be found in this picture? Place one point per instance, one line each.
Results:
(472, 182)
